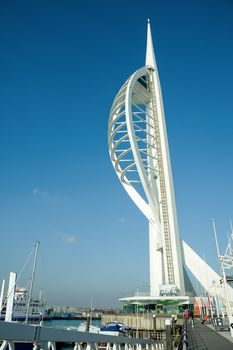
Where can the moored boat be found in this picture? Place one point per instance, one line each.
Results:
(115, 328)
(83, 327)
(35, 310)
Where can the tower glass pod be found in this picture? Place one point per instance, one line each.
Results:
(140, 155)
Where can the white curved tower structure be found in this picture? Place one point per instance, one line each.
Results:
(140, 155)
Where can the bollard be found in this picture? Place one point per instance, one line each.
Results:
(173, 324)
(154, 324)
(88, 323)
(168, 334)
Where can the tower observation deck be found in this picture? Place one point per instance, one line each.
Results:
(140, 155)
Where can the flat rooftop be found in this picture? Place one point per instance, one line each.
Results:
(148, 299)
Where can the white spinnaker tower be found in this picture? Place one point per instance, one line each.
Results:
(140, 155)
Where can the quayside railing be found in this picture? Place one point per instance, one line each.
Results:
(47, 338)
(190, 339)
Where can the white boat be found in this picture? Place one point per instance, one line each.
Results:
(18, 304)
(115, 328)
(88, 326)
(83, 327)
(34, 311)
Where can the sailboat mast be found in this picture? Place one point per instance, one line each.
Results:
(32, 280)
(1, 296)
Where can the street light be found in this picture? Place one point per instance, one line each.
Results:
(215, 297)
(228, 305)
(226, 262)
(137, 315)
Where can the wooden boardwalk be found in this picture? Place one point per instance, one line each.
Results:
(205, 337)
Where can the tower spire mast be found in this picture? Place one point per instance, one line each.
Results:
(150, 55)
(140, 155)
(167, 208)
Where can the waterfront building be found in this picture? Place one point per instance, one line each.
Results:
(139, 151)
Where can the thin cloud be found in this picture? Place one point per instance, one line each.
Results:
(48, 196)
(123, 220)
(68, 238)
(37, 191)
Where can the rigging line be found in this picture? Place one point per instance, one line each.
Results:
(23, 268)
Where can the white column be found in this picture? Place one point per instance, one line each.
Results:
(156, 261)
(10, 297)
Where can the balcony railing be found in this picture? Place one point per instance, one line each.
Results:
(42, 337)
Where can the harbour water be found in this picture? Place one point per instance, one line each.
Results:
(68, 323)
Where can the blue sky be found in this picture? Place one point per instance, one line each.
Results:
(61, 64)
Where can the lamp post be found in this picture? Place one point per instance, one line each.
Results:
(137, 315)
(226, 262)
(227, 299)
(215, 297)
